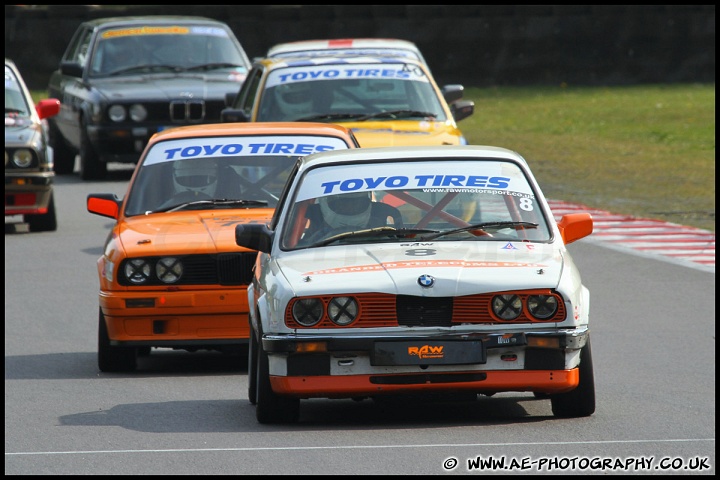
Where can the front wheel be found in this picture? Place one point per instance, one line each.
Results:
(63, 155)
(581, 401)
(252, 367)
(271, 407)
(111, 358)
(46, 222)
(91, 168)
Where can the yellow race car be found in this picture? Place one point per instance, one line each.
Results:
(386, 100)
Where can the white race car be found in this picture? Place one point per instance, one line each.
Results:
(414, 270)
(345, 46)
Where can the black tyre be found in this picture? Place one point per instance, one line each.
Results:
(47, 222)
(581, 401)
(252, 367)
(111, 358)
(271, 407)
(63, 154)
(91, 168)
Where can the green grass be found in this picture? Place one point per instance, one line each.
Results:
(646, 151)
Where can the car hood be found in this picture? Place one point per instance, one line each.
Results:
(168, 86)
(21, 131)
(186, 232)
(404, 133)
(459, 268)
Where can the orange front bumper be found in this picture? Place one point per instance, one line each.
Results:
(547, 381)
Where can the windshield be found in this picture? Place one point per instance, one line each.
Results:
(219, 172)
(16, 104)
(420, 201)
(350, 92)
(162, 48)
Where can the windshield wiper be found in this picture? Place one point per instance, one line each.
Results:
(373, 232)
(330, 116)
(481, 226)
(219, 202)
(146, 68)
(213, 66)
(395, 114)
(13, 110)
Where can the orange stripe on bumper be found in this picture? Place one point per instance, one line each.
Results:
(548, 381)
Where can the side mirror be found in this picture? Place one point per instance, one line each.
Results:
(453, 92)
(71, 69)
(575, 226)
(47, 108)
(462, 109)
(104, 204)
(254, 236)
(233, 115)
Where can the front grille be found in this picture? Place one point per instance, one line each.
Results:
(235, 268)
(187, 111)
(424, 311)
(379, 310)
(222, 269)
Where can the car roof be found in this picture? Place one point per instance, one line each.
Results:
(253, 128)
(150, 20)
(401, 153)
(305, 60)
(344, 45)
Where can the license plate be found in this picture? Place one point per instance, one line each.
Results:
(432, 352)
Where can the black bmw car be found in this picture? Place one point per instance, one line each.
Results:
(123, 79)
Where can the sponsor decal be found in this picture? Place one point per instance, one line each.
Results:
(164, 30)
(461, 176)
(427, 351)
(216, 147)
(422, 264)
(317, 71)
(508, 246)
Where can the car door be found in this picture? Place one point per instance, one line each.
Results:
(240, 109)
(70, 89)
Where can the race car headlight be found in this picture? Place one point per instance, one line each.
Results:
(137, 271)
(342, 310)
(117, 113)
(169, 269)
(542, 306)
(507, 306)
(23, 157)
(138, 113)
(308, 311)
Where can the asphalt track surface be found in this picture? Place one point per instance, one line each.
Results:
(680, 244)
(184, 414)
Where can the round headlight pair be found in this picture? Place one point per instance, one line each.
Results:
(510, 306)
(117, 113)
(342, 311)
(167, 270)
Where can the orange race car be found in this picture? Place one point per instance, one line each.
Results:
(171, 274)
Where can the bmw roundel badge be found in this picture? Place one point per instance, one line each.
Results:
(426, 281)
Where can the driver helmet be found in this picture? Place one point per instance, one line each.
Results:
(346, 210)
(294, 99)
(199, 176)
